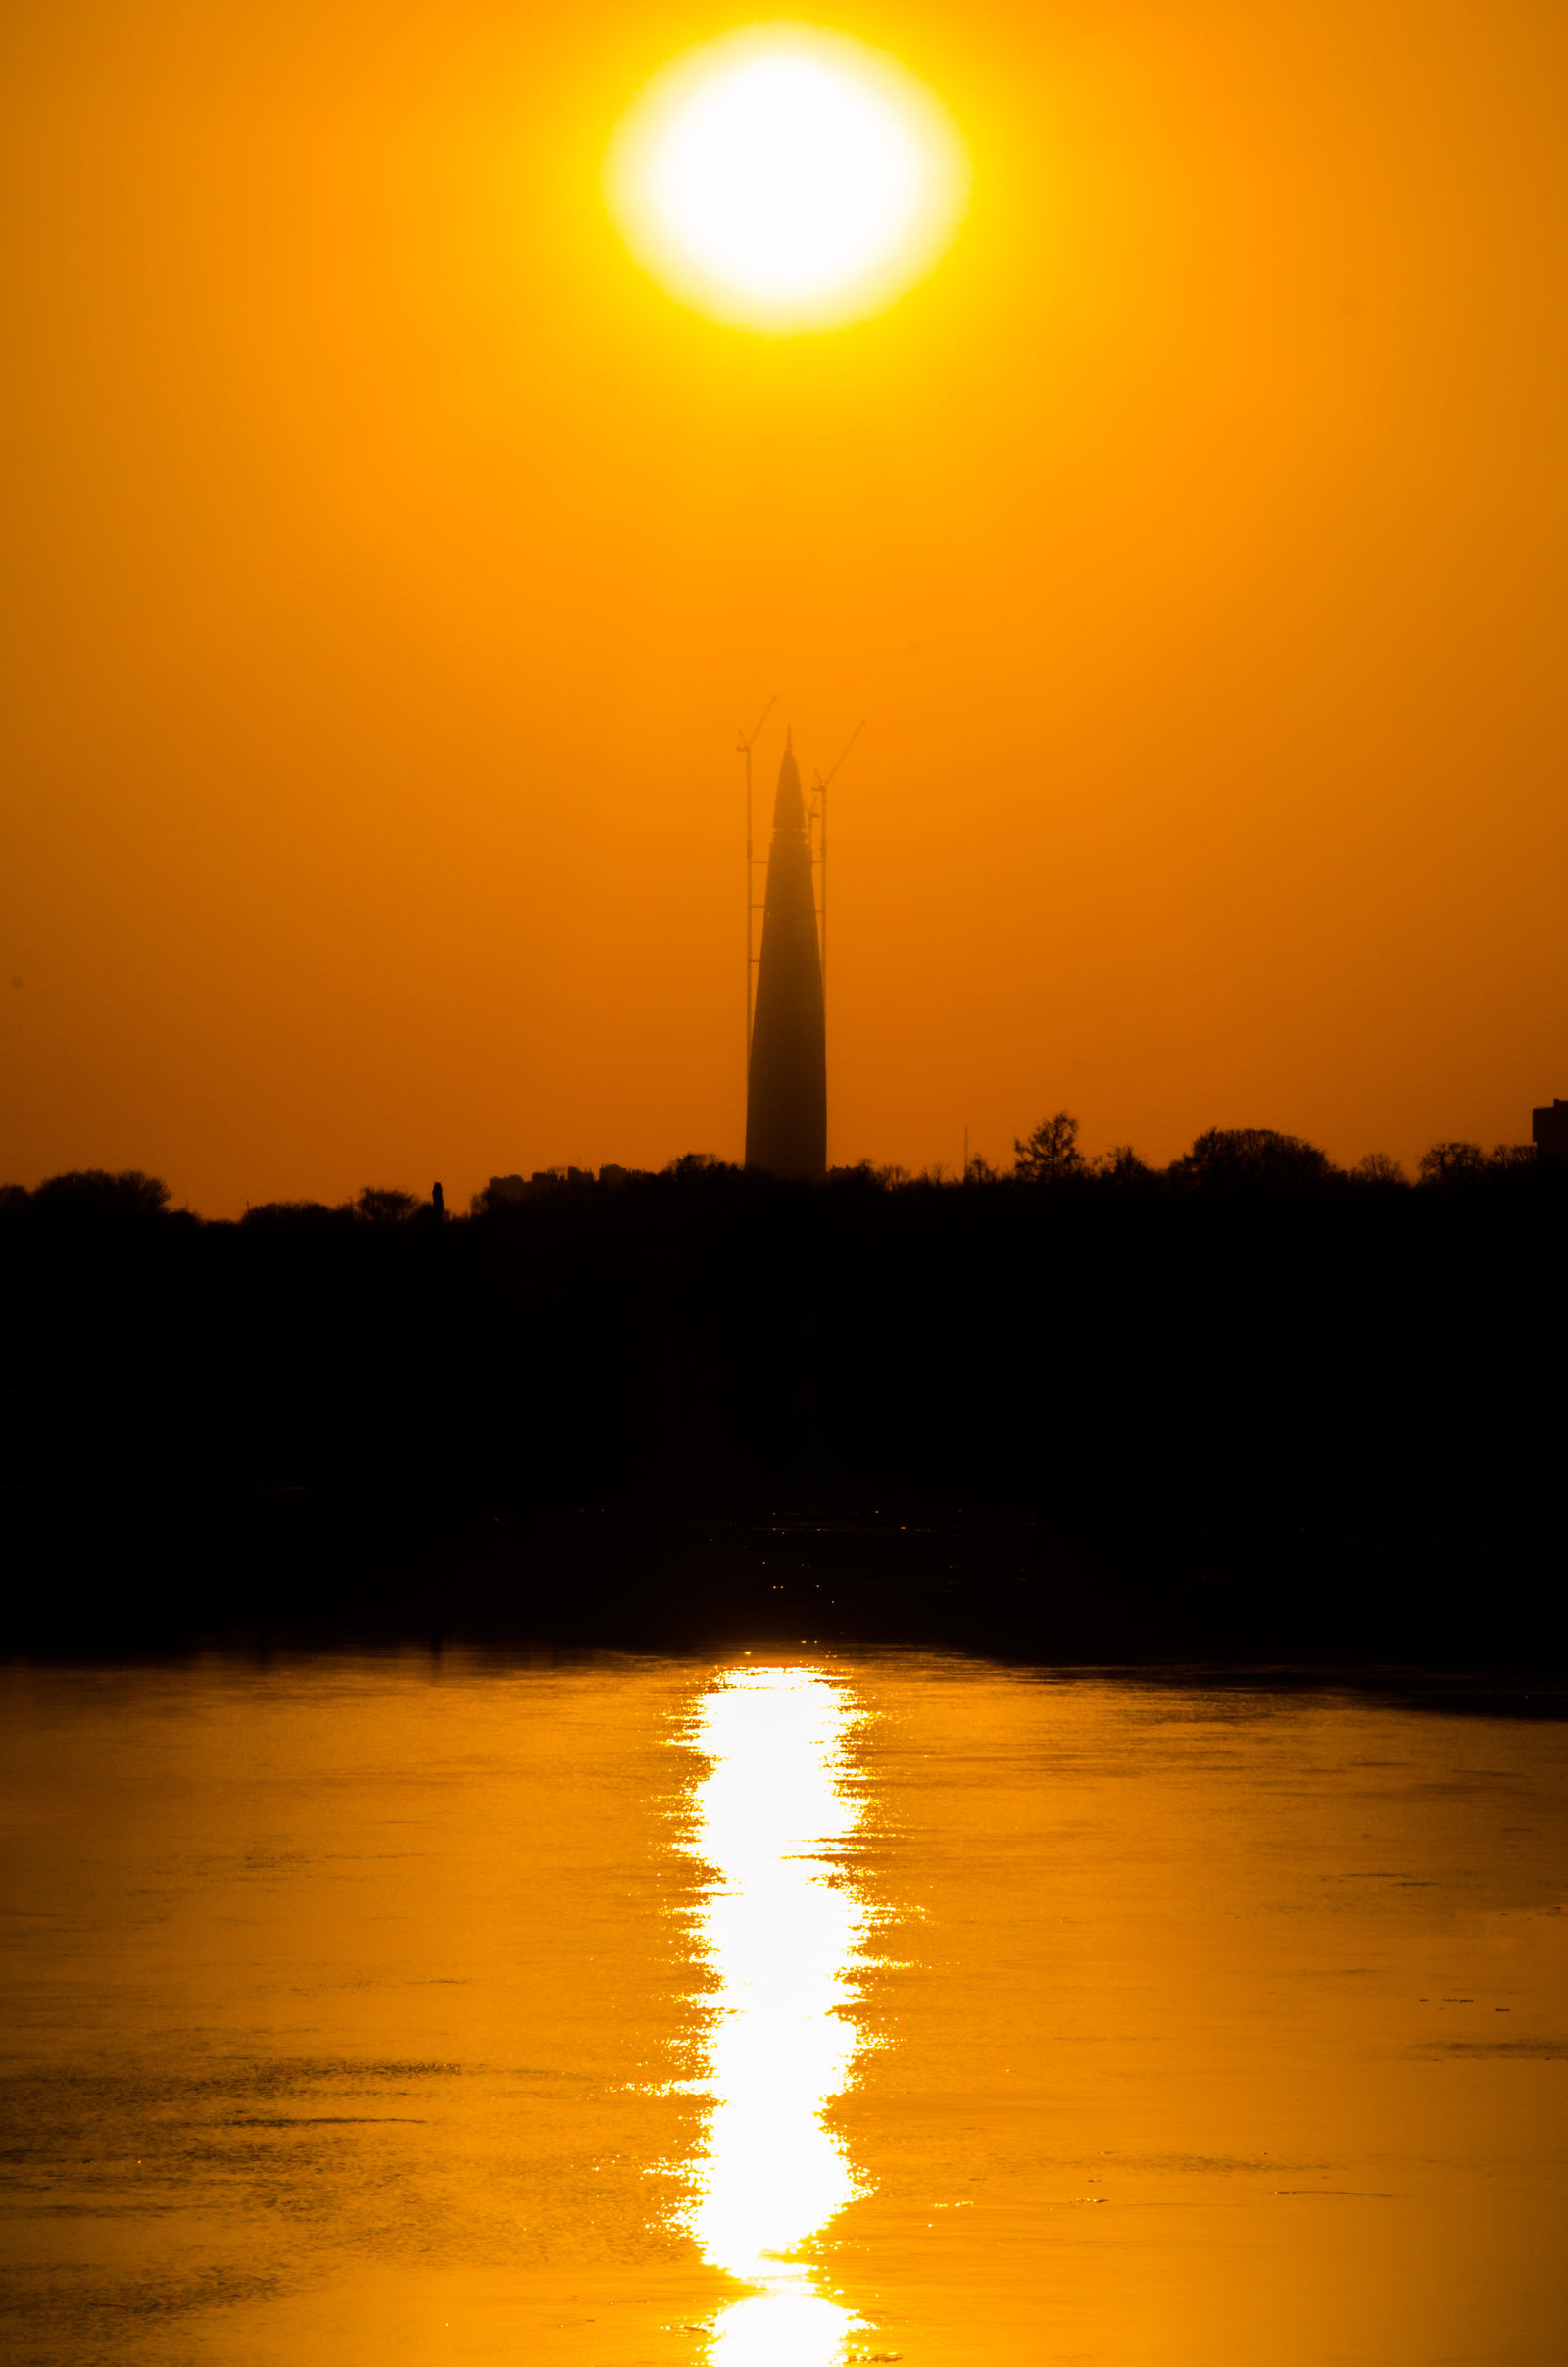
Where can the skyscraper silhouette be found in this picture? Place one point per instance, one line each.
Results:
(786, 1090)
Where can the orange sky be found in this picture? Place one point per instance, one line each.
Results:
(388, 563)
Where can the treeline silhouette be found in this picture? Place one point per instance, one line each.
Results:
(1247, 1404)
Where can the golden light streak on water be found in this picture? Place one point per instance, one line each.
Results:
(782, 1930)
(350, 2011)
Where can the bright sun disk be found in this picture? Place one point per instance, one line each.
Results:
(786, 179)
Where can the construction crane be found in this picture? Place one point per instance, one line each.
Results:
(744, 744)
(819, 789)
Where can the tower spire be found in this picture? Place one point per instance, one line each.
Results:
(786, 1094)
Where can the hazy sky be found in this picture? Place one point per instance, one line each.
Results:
(388, 563)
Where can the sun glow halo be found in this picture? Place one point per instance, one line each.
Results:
(785, 178)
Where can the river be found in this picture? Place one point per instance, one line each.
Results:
(777, 2014)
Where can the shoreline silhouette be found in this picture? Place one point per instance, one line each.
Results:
(1248, 1406)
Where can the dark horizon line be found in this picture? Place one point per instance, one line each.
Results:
(1049, 1157)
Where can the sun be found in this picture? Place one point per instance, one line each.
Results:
(785, 178)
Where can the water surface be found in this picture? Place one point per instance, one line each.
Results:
(904, 2007)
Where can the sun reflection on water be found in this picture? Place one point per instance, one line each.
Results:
(782, 1928)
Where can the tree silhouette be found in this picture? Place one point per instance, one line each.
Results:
(377, 1204)
(1379, 1169)
(1271, 1368)
(1253, 1154)
(1450, 1164)
(1051, 1152)
(94, 1191)
(295, 1212)
(1122, 1166)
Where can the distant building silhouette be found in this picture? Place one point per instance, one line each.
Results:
(1548, 1130)
(786, 1090)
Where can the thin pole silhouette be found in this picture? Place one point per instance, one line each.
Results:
(820, 787)
(743, 747)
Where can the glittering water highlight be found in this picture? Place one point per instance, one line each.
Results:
(782, 1928)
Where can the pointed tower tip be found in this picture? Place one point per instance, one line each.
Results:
(789, 737)
(789, 807)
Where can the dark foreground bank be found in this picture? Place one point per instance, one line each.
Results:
(1299, 1417)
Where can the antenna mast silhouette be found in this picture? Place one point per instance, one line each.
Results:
(819, 789)
(743, 747)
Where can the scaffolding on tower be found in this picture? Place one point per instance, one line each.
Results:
(817, 819)
(745, 743)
